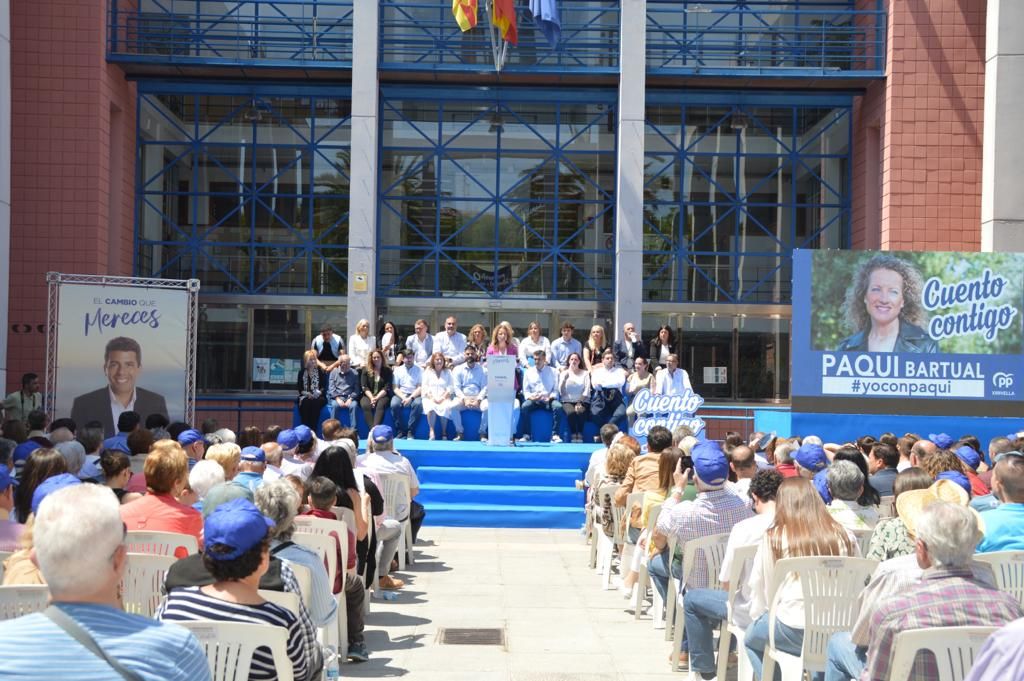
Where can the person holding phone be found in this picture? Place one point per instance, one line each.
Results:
(628, 348)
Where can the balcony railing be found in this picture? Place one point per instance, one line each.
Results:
(289, 33)
(421, 35)
(733, 37)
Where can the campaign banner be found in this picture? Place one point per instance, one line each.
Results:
(121, 348)
(669, 411)
(907, 332)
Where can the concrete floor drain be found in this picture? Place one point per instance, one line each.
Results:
(471, 637)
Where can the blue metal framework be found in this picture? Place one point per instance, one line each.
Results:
(811, 38)
(494, 194)
(732, 184)
(421, 35)
(268, 33)
(244, 187)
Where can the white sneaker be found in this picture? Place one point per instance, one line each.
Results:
(525, 438)
(556, 439)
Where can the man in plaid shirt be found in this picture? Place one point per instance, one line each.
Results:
(948, 595)
(718, 506)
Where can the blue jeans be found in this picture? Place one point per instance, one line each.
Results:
(415, 411)
(351, 409)
(658, 571)
(787, 640)
(554, 406)
(703, 610)
(844, 660)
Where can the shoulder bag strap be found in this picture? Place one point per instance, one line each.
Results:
(73, 629)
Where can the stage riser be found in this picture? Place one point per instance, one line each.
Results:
(441, 475)
(475, 455)
(550, 518)
(566, 496)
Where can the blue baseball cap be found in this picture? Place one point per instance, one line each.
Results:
(51, 485)
(812, 457)
(288, 439)
(254, 454)
(22, 451)
(820, 482)
(382, 434)
(6, 479)
(968, 456)
(941, 440)
(710, 463)
(957, 477)
(304, 434)
(190, 437)
(237, 525)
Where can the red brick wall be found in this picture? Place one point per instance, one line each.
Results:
(64, 215)
(931, 122)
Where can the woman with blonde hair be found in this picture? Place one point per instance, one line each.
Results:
(595, 346)
(312, 387)
(438, 395)
(802, 527)
(228, 455)
(615, 467)
(477, 338)
(359, 344)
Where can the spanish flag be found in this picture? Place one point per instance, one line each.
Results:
(465, 13)
(504, 17)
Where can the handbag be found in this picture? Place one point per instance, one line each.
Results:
(75, 630)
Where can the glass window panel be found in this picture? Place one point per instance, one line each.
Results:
(280, 270)
(467, 223)
(330, 271)
(407, 272)
(464, 124)
(763, 370)
(227, 118)
(281, 219)
(279, 334)
(762, 279)
(173, 115)
(408, 223)
(706, 342)
(587, 127)
(469, 175)
(281, 120)
(163, 260)
(331, 171)
(409, 124)
(224, 269)
(221, 334)
(408, 173)
(165, 217)
(330, 220)
(226, 169)
(528, 281)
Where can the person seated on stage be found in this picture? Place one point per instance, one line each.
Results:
(478, 339)
(450, 342)
(574, 392)
(470, 392)
(564, 346)
(375, 381)
(533, 342)
(420, 343)
(640, 379)
(328, 347)
(407, 381)
(438, 395)
(343, 390)
(540, 391)
(673, 380)
(629, 347)
(359, 344)
(607, 382)
(594, 348)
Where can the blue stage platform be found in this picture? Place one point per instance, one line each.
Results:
(471, 484)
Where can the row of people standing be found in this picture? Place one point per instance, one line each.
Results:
(443, 374)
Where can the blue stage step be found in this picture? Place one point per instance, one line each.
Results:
(545, 477)
(499, 515)
(525, 495)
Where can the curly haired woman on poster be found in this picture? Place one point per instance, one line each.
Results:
(884, 304)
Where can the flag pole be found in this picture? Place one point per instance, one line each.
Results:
(499, 48)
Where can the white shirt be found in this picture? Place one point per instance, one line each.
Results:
(543, 381)
(359, 349)
(744, 533)
(422, 349)
(675, 383)
(595, 468)
(603, 378)
(528, 346)
(470, 381)
(452, 347)
(388, 463)
(406, 380)
(116, 408)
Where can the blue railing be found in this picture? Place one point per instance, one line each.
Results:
(739, 37)
(292, 33)
(421, 35)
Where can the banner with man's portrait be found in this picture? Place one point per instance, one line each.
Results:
(122, 348)
(932, 333)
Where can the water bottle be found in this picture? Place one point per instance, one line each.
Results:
(389, 595)
(331, 669)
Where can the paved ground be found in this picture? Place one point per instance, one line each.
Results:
(560, 626)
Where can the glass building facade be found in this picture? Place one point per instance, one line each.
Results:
(494, 201)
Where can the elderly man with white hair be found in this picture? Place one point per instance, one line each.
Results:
(203, 476)
(78, 544)
(846, 483)
(948, 595)
(381, 457)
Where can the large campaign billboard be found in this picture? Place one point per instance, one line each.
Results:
(120, 348)
(931, 333)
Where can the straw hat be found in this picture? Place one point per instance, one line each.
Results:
(910, 505)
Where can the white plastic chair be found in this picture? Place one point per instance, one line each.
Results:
(397, 505)
(229, 647)
(831, 593)
(18, 600)
(335, 634)
(605, 544)
(742, 557)
(4, 555)
(887, 507)
(659, 608)
(711, 550)
(1008, 571)
(286, 599)
(954, 649)
(160, 543)
(863, 539)
(144, 575)
(305, 579)
(643, 579)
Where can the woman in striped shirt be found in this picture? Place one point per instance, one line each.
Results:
(237, 553)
